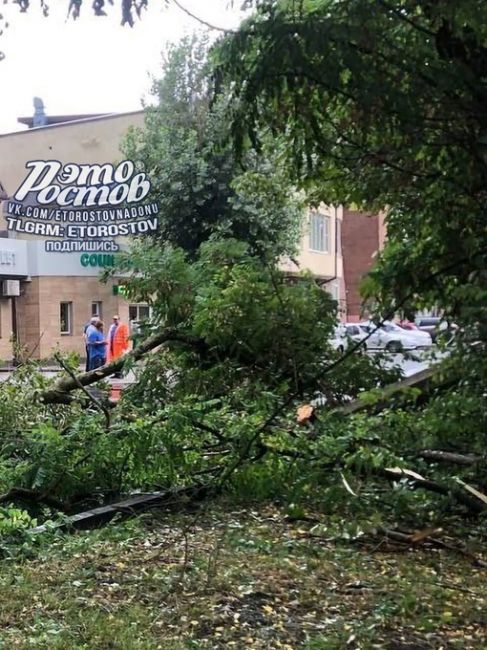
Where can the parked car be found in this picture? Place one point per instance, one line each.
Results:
(435, 326)
(393, 338)
(407, 325)
(346, 334)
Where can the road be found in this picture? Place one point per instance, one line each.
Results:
(416, 361)
(410, 363)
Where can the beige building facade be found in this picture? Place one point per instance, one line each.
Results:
(47, 296)
(320, 251)
(52, 251)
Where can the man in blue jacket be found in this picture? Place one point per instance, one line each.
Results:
(96, 345)
(89, 327)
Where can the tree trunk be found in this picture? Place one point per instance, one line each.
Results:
(59, 393)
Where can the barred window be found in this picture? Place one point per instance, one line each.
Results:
(66, 317)
(96, 308)
(319, 232)
(139, 312)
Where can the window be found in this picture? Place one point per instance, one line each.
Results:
(96, 308)
(138, 312)
(428, 322)
(319, 232)
(66, 317)
(353, 330)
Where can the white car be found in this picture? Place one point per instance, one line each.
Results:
(393, 338)
(346, 334)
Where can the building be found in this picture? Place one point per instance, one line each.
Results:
(48, 291)
(363, 236)
(320, 251)
(52, 250)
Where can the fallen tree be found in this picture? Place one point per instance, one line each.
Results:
(422, 381)
(59, 392)
(130, 506)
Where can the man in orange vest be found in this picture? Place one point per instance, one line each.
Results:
(118, 340)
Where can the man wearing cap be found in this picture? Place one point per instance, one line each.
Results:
(87, 330)
(118, 340)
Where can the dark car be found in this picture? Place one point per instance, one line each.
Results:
(435, 326)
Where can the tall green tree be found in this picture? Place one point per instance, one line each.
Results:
(382, 105)
(211, 269)
(244, 344)
(201, 188)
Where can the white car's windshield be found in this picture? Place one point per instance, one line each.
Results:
(366, 328)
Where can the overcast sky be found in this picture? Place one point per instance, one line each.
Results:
(92, 65)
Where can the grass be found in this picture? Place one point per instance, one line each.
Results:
(238, 579)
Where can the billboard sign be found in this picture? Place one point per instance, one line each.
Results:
(82, 208)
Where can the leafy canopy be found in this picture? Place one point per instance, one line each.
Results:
(200, 186)
(221, 396)
(382, 105)
(251, 342)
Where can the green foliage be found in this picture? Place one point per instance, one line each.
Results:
(253, 325)
(380, 106)
(15, 537)
(216, 403)
(250, 344)
(200, 187)
(13, 520)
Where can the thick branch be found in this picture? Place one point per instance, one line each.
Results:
(202, 21)
(24, 494)
(417, 481)
(91, 397)
(449, 457)
(59, 392)
(131, 505)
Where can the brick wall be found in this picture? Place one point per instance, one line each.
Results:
(38, 312)
(5, 330)
(360, 241)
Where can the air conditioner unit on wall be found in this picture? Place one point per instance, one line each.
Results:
(10, 288)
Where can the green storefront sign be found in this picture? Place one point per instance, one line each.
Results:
(97, 259)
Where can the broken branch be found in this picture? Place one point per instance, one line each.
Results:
(449, 457)
(59, 392)
(23, 494)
